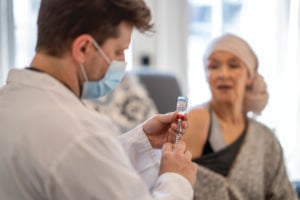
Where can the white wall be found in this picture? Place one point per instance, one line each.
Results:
(167, 46)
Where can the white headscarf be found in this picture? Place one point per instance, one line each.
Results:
(256, 95)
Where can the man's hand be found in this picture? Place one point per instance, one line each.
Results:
(178, 161)
(162, 128)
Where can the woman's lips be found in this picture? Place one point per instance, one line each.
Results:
(224, 87)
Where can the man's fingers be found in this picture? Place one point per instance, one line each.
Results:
(167, 147)
(188, 155)
(185, 124)
(180, 146)
(167, 118)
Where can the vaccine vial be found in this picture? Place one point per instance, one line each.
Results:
(181, 106)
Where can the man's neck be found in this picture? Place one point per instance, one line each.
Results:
(63, 69)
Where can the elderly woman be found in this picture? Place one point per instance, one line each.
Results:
(238, 157)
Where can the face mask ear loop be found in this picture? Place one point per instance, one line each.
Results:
(101, 51)
(83, 72)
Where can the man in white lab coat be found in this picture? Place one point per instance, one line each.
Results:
(52, 146)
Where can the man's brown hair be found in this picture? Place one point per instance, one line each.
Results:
(61, 21)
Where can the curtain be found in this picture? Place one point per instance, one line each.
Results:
(273, 31)
(6, 38)
(288, 95)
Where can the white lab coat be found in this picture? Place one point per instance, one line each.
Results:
(53, 147)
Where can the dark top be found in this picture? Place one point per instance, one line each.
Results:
(220, 161)
(33, 69)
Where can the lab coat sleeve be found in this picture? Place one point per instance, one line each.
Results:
(146, 162)
(96, 167)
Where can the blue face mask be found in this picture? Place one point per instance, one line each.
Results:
(112, 78)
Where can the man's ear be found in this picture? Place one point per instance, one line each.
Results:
(80, 47)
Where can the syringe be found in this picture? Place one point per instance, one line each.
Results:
(181, 108)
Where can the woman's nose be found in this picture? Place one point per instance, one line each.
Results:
(223, 72)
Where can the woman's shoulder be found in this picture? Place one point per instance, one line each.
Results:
(200, 109)
(260, 127)
(265, 134)
(197, 131)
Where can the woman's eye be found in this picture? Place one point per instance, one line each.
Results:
(213, 66)
(234, 65)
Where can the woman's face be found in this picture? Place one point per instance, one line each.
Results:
(227, 76)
